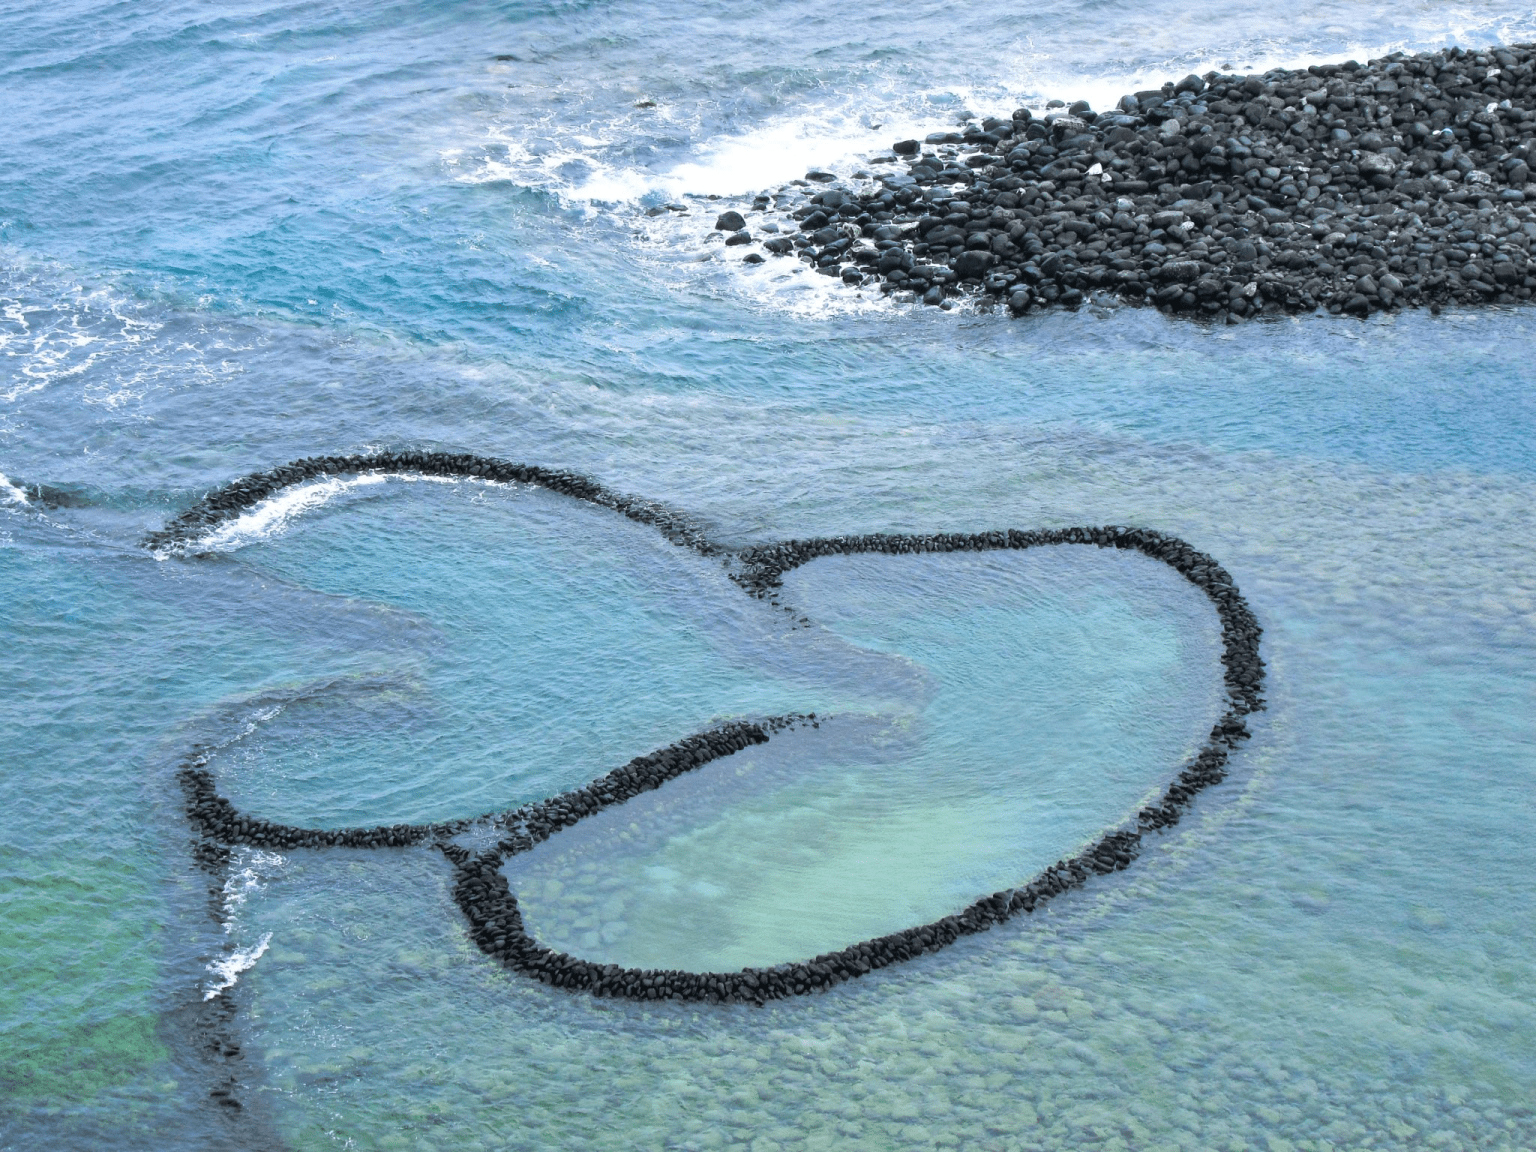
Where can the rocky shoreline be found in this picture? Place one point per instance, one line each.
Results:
(1348, 188)
(480, 887)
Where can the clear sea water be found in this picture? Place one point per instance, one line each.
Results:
(234, 235)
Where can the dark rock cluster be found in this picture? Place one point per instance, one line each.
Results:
(1346, 187)
(480, 887)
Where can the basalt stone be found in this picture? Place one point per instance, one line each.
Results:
(730, 221)
(972, 265)
(1180, 271)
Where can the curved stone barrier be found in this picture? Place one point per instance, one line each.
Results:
(481, 889)
(230, 501)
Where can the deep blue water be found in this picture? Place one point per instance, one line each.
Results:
(233, 237)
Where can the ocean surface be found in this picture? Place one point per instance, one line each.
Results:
(232, 235)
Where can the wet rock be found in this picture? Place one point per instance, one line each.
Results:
(730, 221)
(1282, 180)
(972, 265)
(738, 238)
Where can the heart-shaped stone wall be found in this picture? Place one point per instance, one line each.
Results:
(481, 889)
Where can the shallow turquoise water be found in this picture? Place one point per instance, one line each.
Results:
(1031, 702)
(229, 239)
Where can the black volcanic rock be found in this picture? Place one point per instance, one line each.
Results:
(1346, 187)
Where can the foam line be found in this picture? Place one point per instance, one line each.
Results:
(231, 967)
(271, 516)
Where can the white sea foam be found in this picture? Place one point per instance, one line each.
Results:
(43, 342)
(248, 875)
(10, 492)
(764, 157)
(583, 170)
(271, 517)
(248, 871)
(57, 333)
(228, 969)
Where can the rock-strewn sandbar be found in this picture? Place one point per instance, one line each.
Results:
(1346, 187)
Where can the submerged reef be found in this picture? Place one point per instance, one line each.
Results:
(1347, 187)
(481, 890)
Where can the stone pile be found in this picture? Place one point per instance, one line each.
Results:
(1346, 187)
(480, 887)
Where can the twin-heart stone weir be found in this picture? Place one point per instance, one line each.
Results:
(480, 887)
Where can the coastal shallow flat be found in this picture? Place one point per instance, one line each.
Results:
(239, 237)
